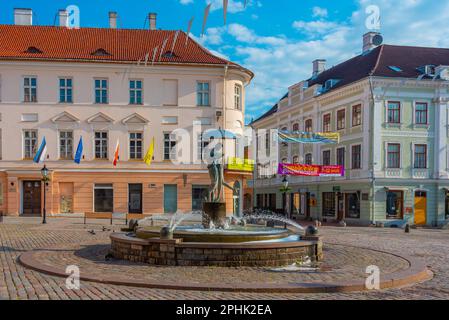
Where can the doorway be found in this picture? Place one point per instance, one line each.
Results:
(32, 197)
(340, 207)
(135, 198)
(420, 208)
(170, 198)
(66, 197)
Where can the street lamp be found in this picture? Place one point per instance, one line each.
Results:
(44, 172)
(284, 199)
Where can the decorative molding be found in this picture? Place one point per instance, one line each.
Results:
(100, 117)
(65, 117)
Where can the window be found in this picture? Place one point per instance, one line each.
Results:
(1, 144)
(203, 94)
(421, 113)
(199, 194)
(284, 160)
(326, 158)
(395, 69)
(103, 198)
(356, 160)
(308, 159)
(30, 89)
(101, 91)
(295, 160)
(341, 157)
(393, 155)
(308, 125)
(135, 92)
(394, 112)
(66, 145)
(169, 146)
(202, 145)
(327, 122)
(420, 158)
(169, 120)
(135, 145)
(238, 97)
(446, 202)
(353, 205)
(267, 142)
(395, 203)
(328, 204)
(341, 119)
(65, 90)
(357, 115)
(101, 145)
(29, 144)
(296, 127)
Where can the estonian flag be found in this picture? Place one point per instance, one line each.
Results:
(41, 153)
(79, 151)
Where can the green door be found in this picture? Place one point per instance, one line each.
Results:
(170, 198)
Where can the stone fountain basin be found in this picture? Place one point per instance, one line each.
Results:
(236, 234)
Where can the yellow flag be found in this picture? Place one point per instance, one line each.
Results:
(149, 156)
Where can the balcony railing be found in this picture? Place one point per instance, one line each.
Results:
(420, 173)
(393, 173)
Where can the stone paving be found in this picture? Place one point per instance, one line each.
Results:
(17, 282)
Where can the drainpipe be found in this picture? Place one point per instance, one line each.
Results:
(373, 177)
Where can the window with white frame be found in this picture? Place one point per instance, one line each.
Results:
(202, 94)
(326, 158)
(238, 97)
(135, 145)
(421, 113)
(356, 115)
(394, 112)
(169, 146)
(341, 119)
(393, 155)
(101, 145)
(308, 159)
(65, 90)
(66, 145)
(101, 91)
(327, 122)
(420, 156)
(295, 160)
(135, 92)
(202, 145)
(104, 198)
(30, 89)
(356, 157)
(29, 143)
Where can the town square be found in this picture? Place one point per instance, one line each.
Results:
(224, 150)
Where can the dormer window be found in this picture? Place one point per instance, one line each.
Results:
(329, 84)
(33, 50)
(428, 69)
(100, 52)
(395, 69)
(169, 54)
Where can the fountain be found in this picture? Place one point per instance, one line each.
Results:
(213, 239)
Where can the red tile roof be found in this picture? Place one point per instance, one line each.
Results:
(118, 45)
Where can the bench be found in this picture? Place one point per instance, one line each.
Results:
(97, 215)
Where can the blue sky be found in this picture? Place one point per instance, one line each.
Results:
(277, 39)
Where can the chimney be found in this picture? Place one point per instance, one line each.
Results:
(371, 40)
(113, 20)
(152, 17)
(63, 18)
(319, 66)
(23, 17)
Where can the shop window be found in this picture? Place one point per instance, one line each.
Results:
(395, 204)
(353, 205)
(103, 198)
(328, 204)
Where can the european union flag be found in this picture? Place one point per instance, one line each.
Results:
(79, 151)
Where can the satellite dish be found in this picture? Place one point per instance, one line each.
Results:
(378, 39)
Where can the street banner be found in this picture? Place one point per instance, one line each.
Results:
(309, 137)
(310, 170)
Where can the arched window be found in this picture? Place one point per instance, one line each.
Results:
(295, 160)
(296, 127)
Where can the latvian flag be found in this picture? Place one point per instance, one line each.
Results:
(41, 153)
(116, 157)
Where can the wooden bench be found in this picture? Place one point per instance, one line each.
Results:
(97, 215)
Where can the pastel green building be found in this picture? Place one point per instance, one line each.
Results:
(390, 106)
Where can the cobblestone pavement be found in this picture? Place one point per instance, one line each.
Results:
(18, 236)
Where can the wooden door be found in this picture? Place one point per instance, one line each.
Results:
(31, 197)
(66, 197)
(135, 198)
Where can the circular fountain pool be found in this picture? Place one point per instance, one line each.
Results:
(233, 234)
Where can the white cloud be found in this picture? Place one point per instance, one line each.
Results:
(234, 6)
(319, 12)
(185, 2)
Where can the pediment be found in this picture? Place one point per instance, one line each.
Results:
(100, 118)
(65, 117)
(135, 118)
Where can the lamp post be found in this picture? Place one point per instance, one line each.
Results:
(284, 198)
(44, 172)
